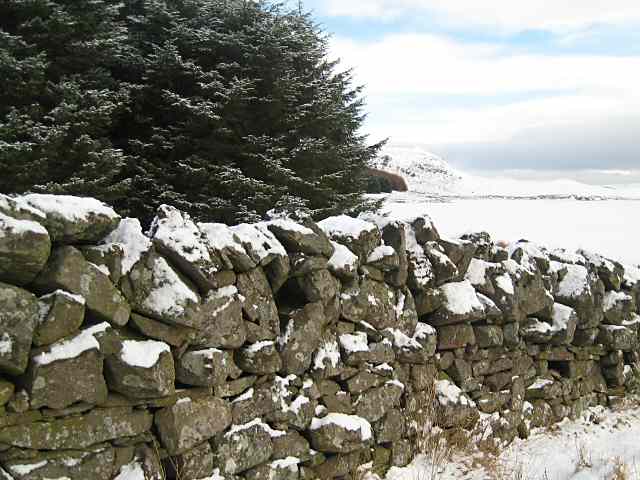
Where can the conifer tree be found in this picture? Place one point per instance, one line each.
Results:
(223, 108)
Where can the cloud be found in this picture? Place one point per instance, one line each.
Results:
(489, 104)
(505, 15)
(595, 143)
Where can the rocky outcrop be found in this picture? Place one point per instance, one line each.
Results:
(285, 350)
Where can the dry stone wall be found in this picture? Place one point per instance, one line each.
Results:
(285, 350)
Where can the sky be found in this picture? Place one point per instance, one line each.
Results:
(497, 84)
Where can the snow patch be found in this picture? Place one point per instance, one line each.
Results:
(144, 354)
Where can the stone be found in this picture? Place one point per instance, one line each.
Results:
(461, 254)
(394, 235)
(384, 258)
(373, 404)
(291, 444)
(405, 310)
(302, 264)
(64, 382)
(615, 337)
(68, 270)
(259, 306)
(536, 331)
(260, 358)
(319, 285)
(302, 338)
(193, 464)
(227, 246)
(222, 324)
(363, 381)
(461, 304)
(190, 422)
(141, 369)
(174, 335)
(156, 290)
(619, 308)
(97, 463)
(360, 236)
(488, 336)
(543, 388)
(19, 315)
(109, 256)
(61, 315)
(343, 264)
(340, 465)
(428, 301)
(445, 270)
(339, 433)
(451, 337)
(369, 301)
(206, 368)
(180, 240)
(582, 290)
(70, 433)
(297, 238)
(6, 392)
(611, 273)
(425, 230)
(24, 249)
(391, 428)
(454, 408)
(401, 453)
(244, 447)
(74, 220)
(284, 469)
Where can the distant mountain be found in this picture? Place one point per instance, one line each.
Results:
(428, 174)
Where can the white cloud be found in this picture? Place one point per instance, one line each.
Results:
(403, 72)
(506, 15)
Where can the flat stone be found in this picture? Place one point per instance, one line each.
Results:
(193, 464)
(61, 315)
(260, 358)
(373, 404)
(156, 290)
(222, 324)
(109, 256)
(206, 368)
(339, 433)
(141, 369)
(68, 270)
(72, 220)
(174, 335)
(24, 249)
(98, 463)
(18, 318)
(244, 447)
(188, 423)
(98, 426)
(62, 383)
(301, 338)
(451, 337)
(259, 305)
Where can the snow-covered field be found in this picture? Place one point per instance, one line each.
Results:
(574, 450)
(555, 212)
(609, 227)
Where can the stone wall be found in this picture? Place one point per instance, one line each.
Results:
(282, 350)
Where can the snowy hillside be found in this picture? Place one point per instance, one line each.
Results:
(429, 174)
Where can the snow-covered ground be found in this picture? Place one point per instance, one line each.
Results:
(429, 174)
(556, 213)
(609, 227)
(574, 450)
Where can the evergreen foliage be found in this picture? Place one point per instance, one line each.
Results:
(223, 108)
